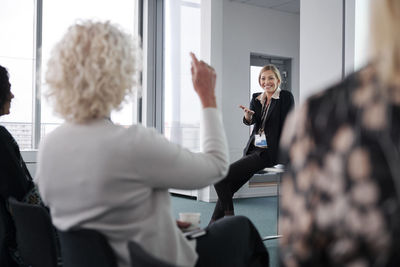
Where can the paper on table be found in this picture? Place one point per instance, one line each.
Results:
(274, 169)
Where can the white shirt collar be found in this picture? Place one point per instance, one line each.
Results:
(275, 95)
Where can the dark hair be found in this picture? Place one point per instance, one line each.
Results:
(4, 86)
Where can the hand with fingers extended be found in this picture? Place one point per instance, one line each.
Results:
(203, 78)
(248, 113)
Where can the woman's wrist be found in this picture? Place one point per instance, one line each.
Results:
(248, 117)
(209, 102)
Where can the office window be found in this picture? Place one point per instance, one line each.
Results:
(26, 24)
(17, 54)
(181, 111)
(57, 17)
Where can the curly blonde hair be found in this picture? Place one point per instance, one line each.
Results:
(91, 71)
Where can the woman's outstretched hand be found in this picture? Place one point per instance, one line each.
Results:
(203, 78)
(248, 113)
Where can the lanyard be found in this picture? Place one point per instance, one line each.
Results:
(264, 117)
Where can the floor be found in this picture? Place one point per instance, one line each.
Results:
(261, 211)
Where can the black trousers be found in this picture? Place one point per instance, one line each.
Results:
(239, 173)
(232, 242)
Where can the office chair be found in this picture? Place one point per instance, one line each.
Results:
(139, 257)
(86, 248)
(36, 239)
(6, 224)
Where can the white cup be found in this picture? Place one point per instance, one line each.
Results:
(191, 217)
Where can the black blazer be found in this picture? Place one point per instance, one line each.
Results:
(15, 181)
(278, 110)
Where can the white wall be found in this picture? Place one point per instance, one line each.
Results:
(321, 44)
(362, 24)
(249, 29)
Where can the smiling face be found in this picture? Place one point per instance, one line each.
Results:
(269, 82)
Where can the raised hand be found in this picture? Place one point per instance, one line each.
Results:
(203, 78)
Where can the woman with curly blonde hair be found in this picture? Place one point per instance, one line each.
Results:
(97, 175)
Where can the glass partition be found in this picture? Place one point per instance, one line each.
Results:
(30, 29)
(181, 111)
(57, 17)
(17, 54)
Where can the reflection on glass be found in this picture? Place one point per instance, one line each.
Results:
(181, 104)
(57, 17)
(17, 55)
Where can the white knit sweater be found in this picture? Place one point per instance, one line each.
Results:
(114, 179)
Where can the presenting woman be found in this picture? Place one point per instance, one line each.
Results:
(267, 113)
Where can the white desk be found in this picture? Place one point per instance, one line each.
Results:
(260, 185)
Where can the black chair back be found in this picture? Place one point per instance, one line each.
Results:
(86, 248)
(6, 230)
(139, 257)
(36, 239)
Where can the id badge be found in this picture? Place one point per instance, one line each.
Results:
(260, 140)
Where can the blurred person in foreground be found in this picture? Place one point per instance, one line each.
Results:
(98, 175)
(340, 196)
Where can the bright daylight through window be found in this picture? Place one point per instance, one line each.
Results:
(18, 53)
(181, 104)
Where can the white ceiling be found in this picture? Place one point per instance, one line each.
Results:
(290, 6)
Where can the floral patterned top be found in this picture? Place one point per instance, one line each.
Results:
(339, 203)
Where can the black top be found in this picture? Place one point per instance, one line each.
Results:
(277, 112)
(15, 179)
(16, 182)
